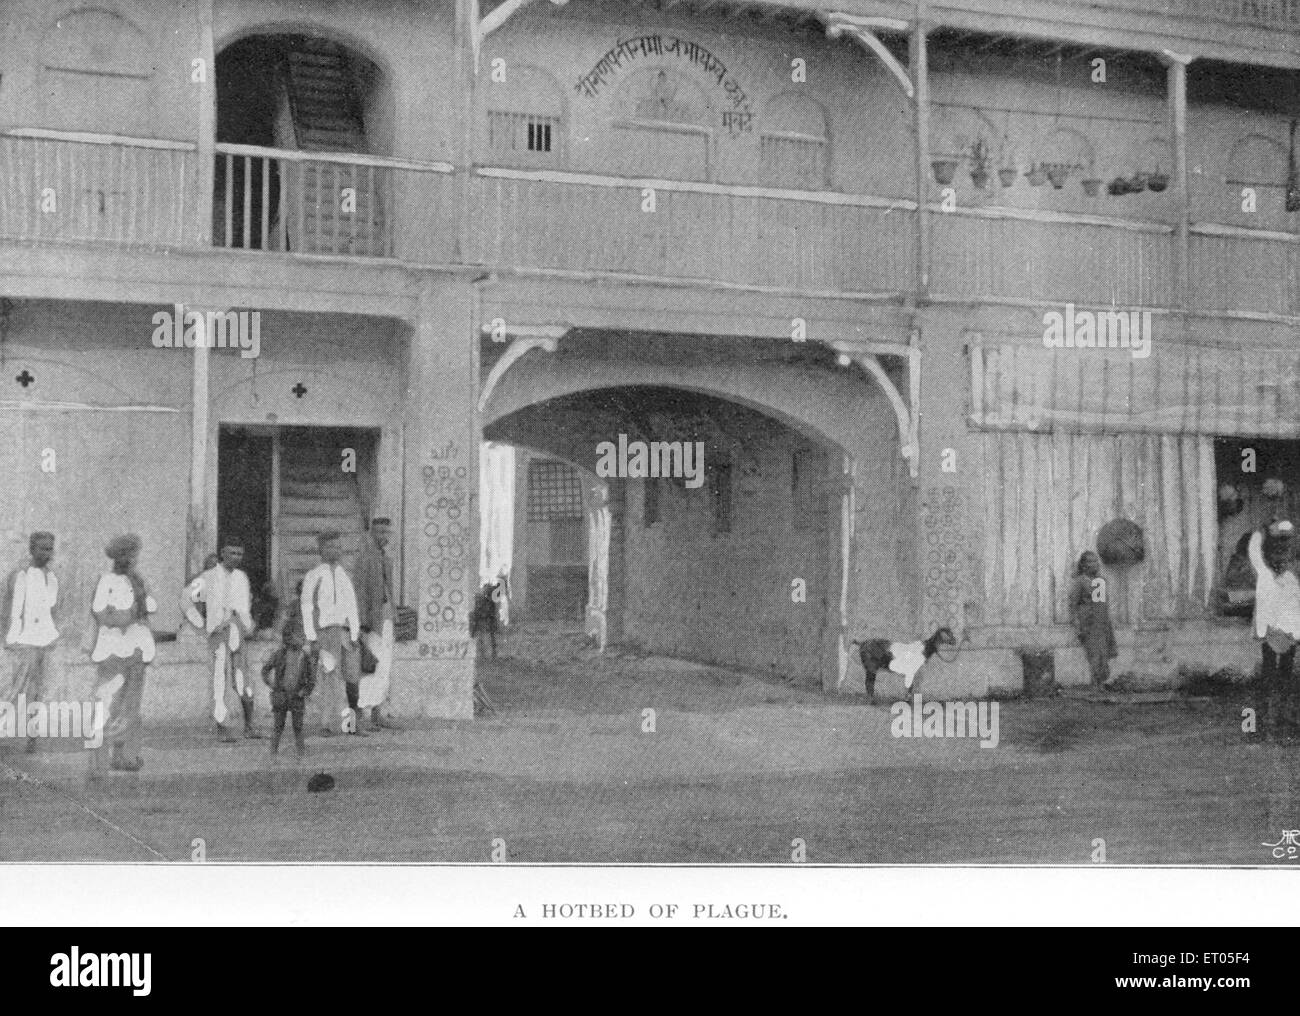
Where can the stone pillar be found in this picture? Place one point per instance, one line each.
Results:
(950, 480)
(617, 561)
(440, 502)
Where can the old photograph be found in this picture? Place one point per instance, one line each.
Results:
(647, 432)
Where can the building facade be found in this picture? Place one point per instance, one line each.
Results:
(859, 253)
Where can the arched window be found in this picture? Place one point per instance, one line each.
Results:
(96, 74)
(525, 119)
(659, 128)
(795, 145)
(1257, 161)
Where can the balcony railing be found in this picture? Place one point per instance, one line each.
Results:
(740, 236)
(321, 203)
(999, 253)
(1284, 14)
(98, 188)
(143, 193)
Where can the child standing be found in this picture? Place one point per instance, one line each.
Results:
(1090, 614)
(291, 677)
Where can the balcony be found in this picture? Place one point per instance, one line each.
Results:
(121, 193)
(745, 237)
(97, 189)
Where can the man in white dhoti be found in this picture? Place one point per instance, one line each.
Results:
(228, 621)
(331, 627)
(124, 648)
(374, 589)
(30, 629)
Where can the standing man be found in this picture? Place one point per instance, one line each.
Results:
(332, 626)
(124, 647)
(227, 618)
(375, 608)
(1277, 626)
(29, 625)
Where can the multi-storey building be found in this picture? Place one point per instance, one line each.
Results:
(824, 239)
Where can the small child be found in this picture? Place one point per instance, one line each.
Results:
(291, 677)
(1091, 616)
(485, 618)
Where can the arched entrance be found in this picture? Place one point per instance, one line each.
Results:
(280, 97)
(792, 541)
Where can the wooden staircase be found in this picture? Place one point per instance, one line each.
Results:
(326, 113)
(315, 496)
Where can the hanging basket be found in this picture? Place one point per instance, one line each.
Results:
(1121, 543)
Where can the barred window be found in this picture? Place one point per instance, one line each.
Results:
(554, 491)
(794, 161)
(795, 149)
(512, 134)
(525, 119)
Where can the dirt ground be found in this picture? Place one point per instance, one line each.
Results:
(737, 767)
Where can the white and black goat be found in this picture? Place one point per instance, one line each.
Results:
(905, 658)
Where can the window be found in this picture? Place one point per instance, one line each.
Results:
(554, 491)
(514, 134)
(659, 128)
(525, 119)
(795, 151)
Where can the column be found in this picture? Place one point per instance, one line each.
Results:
(919, 61)
(440, 502)
(196, 525)
(205, 171)
(1176, 93)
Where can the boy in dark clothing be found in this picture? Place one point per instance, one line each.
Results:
(291, 676)
(485, 618)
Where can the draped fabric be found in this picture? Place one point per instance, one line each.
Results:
(496, 511)
(598, 528)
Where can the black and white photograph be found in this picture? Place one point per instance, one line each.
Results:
(650, 432)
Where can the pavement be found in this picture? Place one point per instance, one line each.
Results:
(630, 757)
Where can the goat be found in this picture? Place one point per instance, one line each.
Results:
(904, 658)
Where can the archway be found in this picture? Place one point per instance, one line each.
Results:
(301, 92)
(835, 422)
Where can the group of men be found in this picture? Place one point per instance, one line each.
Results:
(336, 618)
(333, 617)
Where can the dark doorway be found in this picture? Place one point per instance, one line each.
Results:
(244, 469)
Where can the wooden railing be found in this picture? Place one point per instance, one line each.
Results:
(1283, 14)
(1249, 272)
(1035, 256)
(93, 187)
(140, 192)
(742, 236)
(323, 203)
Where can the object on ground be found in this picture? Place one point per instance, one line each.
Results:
(320, 782)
